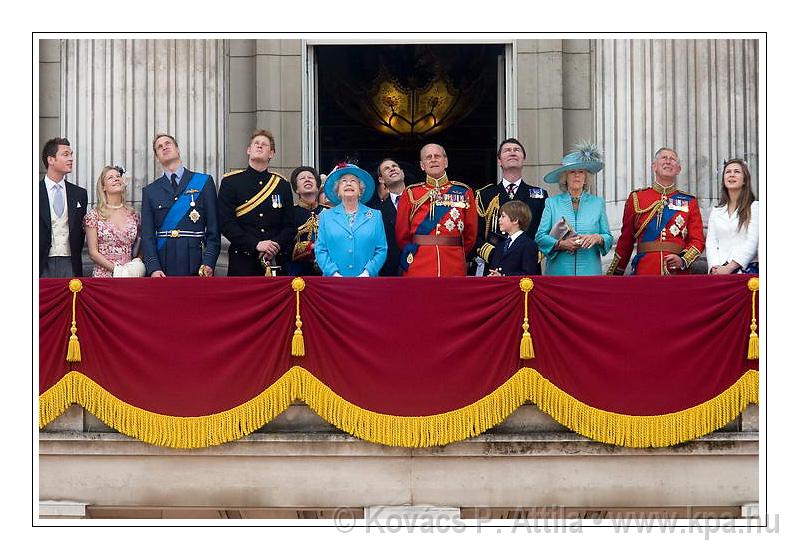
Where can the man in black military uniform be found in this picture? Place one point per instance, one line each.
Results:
(180, 233)
(255, 210)
(489, 199)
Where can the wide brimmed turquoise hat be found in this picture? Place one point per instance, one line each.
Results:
(349, 169)
(586, 156)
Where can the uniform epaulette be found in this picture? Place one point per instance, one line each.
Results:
(232, 172)
(641, 189)
(279, 175)
(685, 193)
(486, 187)
(460, 184)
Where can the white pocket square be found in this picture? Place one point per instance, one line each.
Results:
(78, 205)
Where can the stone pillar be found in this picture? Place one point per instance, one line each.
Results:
(117, 93)
(553, 101)
(697, 96)
(49, 93)
(278, 99)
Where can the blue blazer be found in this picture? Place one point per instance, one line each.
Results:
(590, 218)
(521, 259)
(350, 250)
(181, 256)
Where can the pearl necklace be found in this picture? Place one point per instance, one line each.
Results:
(120, 205)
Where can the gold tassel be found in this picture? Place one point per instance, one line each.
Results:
(298, 344)
(752, 347)
(74, 346)
(526, 344)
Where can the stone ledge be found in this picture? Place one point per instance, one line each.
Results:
(343, 445)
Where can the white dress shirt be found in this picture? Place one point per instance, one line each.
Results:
(724, 243)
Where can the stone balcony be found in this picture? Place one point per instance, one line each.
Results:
(299, 466)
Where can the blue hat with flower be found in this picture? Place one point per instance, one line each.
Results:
(586, 156)
(343, 169)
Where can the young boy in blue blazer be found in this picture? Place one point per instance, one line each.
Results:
(519, 255)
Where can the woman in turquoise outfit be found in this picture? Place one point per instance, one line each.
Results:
(573, 233)
(350, 240)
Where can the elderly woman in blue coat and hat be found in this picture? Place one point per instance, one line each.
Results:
(351, 240)
(573, 233)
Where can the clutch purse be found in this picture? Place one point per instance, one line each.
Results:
(132, 269)
(562, 230)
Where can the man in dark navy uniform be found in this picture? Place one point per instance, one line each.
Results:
(489, 199)
(255, 210)
(180, 235)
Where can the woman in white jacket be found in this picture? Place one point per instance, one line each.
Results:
(732, 241)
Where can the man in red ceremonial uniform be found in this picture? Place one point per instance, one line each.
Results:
(664, 222)
(437, 221)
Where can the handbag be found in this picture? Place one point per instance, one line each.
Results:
(562, 230)
(132, 269)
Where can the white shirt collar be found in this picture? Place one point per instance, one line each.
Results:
(506, 182)
(514, 236)
(49, 183)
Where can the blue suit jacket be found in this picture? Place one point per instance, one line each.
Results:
(521, 259)
(181, 256)
(350, 251)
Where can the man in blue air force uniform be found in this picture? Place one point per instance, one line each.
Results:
(180, 232)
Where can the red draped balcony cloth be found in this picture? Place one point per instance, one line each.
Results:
(194, 362)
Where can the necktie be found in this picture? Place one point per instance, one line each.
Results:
(58, 200)
(397, 202)
(174, 179)
(512, 188)
(507, 245)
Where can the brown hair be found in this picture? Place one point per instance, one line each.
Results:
(50, 148)
(747, 197)
(517, 211)
(161, 135)
(266, 133)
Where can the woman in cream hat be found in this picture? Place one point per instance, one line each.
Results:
(573, 233)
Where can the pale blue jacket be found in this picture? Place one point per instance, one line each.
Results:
(590, 218)
(350, 250)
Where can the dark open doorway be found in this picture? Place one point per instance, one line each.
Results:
(381, 101)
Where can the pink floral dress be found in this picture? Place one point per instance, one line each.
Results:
(114, 244)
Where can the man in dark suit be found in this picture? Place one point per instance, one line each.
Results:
(489, 199)
(393, 178)
(62, 206)
(180, 232)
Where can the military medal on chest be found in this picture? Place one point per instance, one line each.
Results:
(194, 215)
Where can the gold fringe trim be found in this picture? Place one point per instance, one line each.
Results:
(403, 431)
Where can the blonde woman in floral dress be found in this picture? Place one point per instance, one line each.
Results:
(112, 227)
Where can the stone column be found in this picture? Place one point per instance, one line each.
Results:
(697, 96)
(278, 99)
(553, 101)
(116, 94)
